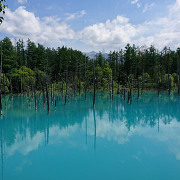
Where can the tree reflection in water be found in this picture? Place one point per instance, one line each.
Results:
(21, 122)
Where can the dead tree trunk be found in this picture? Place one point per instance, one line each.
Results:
(51, 93)
(54, 89)
(0, 81)
(94, 83)
(131, 86)
(138, 86)
(4, 90)
(112, 86)
(85, 85)
(43, 93)
(142, 80)
(47, 96)
(178, 73)
(119, 78)
(79, 77)
(158, 81)
(54, 94)
(66, 87)
(74, 85)
(55, 104)
(35, 99)
(11, 84)
(62, 89)
(43, 86)
(21, 83)
(169, 82)
(28, 95)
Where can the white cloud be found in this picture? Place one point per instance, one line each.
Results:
(22, 1)
(24, 24)
(111, 33)
(137, 2)
(147, 7)
(77, 15)
(134, 1)
(174, 10)
(115, 34)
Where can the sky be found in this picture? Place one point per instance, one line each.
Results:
(94, 25)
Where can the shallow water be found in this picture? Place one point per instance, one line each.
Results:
(116, 140)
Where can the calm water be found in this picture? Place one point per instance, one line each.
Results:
(117, 140)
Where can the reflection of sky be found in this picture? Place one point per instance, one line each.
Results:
(168, 134)
(115, 141)
(116, 131)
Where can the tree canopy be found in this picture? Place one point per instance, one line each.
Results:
(31, 65)
(2, 9)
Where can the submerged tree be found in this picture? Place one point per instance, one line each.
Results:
(65, 69)
(0, 81)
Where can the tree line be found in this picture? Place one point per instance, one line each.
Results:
(27, 68)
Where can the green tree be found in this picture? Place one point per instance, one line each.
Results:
(28, 78)
(31, 54)
(2, 9)
(8, 56)
(100, 59)
(150, 63)
(5, 83)
(107, 76)
(127, 58)
(20, 53)
(40, 57)
(98, 75)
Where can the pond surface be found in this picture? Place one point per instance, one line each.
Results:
(116, 140)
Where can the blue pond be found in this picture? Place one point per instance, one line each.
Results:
(116, 140)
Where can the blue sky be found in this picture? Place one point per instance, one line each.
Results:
(88, 25)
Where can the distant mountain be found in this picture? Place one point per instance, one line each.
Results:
(93, 54)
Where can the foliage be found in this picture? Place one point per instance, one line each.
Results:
(8, 56)
(35, 65)
(2, 9)
(24, 75)
(5, 83)
(167, 80)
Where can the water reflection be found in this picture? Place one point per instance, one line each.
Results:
(2, 155)
(94, 129)
(24, 130)
(21, 123)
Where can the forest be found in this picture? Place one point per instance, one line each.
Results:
(28, 68)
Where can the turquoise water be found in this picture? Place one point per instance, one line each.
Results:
(116, 140)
